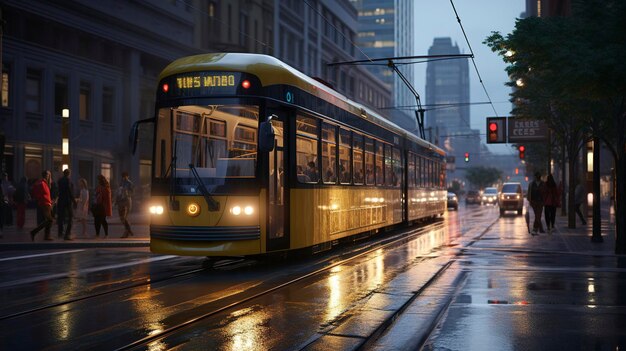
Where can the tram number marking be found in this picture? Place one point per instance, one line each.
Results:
(226, 80)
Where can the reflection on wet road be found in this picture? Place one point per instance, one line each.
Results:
(351, 298)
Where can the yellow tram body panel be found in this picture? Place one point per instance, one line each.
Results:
(209, 233)
(323, 215)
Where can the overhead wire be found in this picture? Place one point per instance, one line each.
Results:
(472, 57)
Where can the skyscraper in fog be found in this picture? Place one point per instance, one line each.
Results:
(386, 30)
(447, 82)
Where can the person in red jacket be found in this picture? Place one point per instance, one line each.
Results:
(103, 207)
(41, 193)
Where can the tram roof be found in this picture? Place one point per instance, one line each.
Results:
(272, 71)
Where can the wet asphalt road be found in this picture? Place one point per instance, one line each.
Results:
(500, 289)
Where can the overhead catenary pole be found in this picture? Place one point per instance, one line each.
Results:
(419, 112)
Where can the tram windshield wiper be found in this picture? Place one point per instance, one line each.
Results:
(213, 205)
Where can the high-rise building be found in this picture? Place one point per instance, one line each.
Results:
(386, 30)
(310, 35)
(447, 82)
(101, 60)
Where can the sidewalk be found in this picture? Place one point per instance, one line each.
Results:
(16, 239)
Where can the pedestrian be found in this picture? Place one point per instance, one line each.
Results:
(41, 193)
(6, 201)
(103, 206)
(536, 202)
(123, 199)
(82, 206)
(21, 198)
(579, 199)
(552, 199)
(65, 205)
(54, 195)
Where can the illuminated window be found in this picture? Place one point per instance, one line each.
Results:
(306, 150)
(5, 86)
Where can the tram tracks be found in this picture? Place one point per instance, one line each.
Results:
(185, 326)
(145, 282)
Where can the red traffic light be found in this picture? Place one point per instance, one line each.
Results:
(493, 127)
(522, 148)
(467, 157)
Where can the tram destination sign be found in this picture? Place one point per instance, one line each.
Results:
(526, 130)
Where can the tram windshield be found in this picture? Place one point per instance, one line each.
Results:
(220, 141)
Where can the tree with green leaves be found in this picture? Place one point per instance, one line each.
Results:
(481, 177)
(570, 72)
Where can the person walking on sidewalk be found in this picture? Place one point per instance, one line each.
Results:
(65, 205)
(552, 200)
(103, 206)
(21, 198)
(579, 199)
(82, 206)
(41, 193)
(536, 202)
(123, 199)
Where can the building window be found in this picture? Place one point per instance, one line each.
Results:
(108, 104)
(105, 170)
(60, 95)
(85, 101)
(243, 29)
(5, 85)
(33, 91)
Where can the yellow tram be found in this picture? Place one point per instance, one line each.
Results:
(252, 157)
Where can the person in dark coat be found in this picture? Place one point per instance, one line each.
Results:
(552, 199)
(65, 205)
(103, 207)
(21, 197)
(534, 194)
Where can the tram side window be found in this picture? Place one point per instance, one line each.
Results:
(422, 172)
(442, 176)
(369, 161)
(411, 170)
(389, 176)
(329, 153)
(380, 176)
(345, 146)
(397, 167)
(429, 173)
(306, 150)
(357, 158)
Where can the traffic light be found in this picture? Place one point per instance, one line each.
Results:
(516, 171)
(521, 150)
(467, 157)
(496, 130)
(493, 132)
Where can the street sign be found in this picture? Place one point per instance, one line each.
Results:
(525, 130)
(496, 130)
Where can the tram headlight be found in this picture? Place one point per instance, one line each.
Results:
(248, 210)
(193, 209)
(237, 210)
(156, 210)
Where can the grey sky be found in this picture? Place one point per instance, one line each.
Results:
(436, 18)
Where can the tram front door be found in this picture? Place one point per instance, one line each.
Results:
(278, 229)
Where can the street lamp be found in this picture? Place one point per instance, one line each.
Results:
(65, 138)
